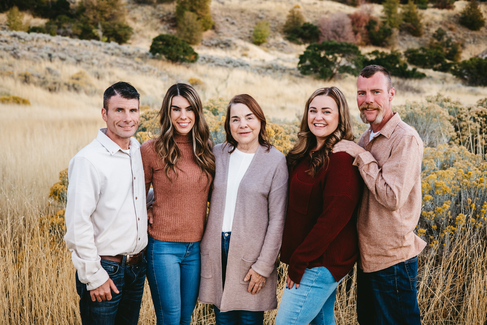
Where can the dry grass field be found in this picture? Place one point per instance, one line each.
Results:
(38, 140)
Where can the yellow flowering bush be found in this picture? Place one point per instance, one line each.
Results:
(454, 194)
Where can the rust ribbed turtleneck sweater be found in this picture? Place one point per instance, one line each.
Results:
(180, 206)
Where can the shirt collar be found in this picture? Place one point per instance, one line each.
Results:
(111, 146)
(390, 126)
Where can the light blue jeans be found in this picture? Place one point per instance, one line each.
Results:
(312, 303)
(174, 278)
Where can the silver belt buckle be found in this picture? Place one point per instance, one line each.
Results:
(127, 258)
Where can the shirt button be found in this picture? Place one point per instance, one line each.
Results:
(138, 219)
(134, 177)
(136, 198)
(139, 238)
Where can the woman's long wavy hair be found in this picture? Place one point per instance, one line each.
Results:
(165, 144)
(307, 140)
(254, 107)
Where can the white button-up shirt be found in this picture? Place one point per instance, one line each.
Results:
(106, 212)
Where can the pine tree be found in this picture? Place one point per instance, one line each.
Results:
(190, 31)
(471, 17)
(391, 17)
(413, 19)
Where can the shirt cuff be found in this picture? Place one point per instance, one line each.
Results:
(97, 279)
(363, 158)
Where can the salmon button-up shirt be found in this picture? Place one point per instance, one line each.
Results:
(391, 202)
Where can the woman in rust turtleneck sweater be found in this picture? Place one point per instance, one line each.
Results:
(180, 166)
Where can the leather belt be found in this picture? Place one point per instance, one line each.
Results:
(129, 259)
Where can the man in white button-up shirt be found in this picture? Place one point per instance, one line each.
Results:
(106, 215)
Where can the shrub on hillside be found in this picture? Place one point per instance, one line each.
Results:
(337, 27)
(472, 17)
(306, 33)
(412, 20)
(359, 20)
(199, 7)
(392, 17)
(294, 19)
(428, 59)
(439, 41)
(393, 63)
(14, 100)
(431, 121)
(190, 30)
(422, 4)
(261, 32)
(379, 34)
(473, 71)
(444, 4)
(173, 48)
(330, 58)
(15, 20)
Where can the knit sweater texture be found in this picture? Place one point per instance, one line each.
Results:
(320, 227)
(180, 204)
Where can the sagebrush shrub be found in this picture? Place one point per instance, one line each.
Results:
(190, 29)
(173, 48)
(261, 32)
(337, 27)
(472, 17)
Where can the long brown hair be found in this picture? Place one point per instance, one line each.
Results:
(254, 107)
(307, 140)
(165, 145)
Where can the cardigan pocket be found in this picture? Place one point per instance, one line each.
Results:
(299, 195)
(245, 266)
(206, 267)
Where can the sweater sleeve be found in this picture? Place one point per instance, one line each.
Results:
(340, 196)
(147, 153)
(277, 204)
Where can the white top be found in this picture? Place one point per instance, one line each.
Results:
(238, 165)
(372, 134)
(105, 211)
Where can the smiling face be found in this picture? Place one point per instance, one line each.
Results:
(374, 96)
(182, 115)
(244, 127)
(122, 118)
(323, 118)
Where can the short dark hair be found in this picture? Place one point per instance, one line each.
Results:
(121, 88)
(372, 69)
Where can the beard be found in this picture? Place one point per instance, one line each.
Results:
(379, 117)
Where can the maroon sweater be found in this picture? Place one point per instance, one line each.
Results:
(320, 227)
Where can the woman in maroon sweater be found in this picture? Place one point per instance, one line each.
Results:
(320, 236)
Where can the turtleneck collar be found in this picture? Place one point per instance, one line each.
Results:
(183, 138)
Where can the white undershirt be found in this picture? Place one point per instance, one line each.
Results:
(238, 165)
(372, 135)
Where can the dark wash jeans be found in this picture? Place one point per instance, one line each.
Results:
(389, 296)
(234, 317)
(124, 307)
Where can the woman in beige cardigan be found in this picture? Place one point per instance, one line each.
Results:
(248, 205)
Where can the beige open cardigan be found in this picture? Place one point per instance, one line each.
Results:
(257, 229)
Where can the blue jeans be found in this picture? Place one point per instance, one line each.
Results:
(234, 317)
(389, 296)
(312, 303)
(174, 279)
(125, 306)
